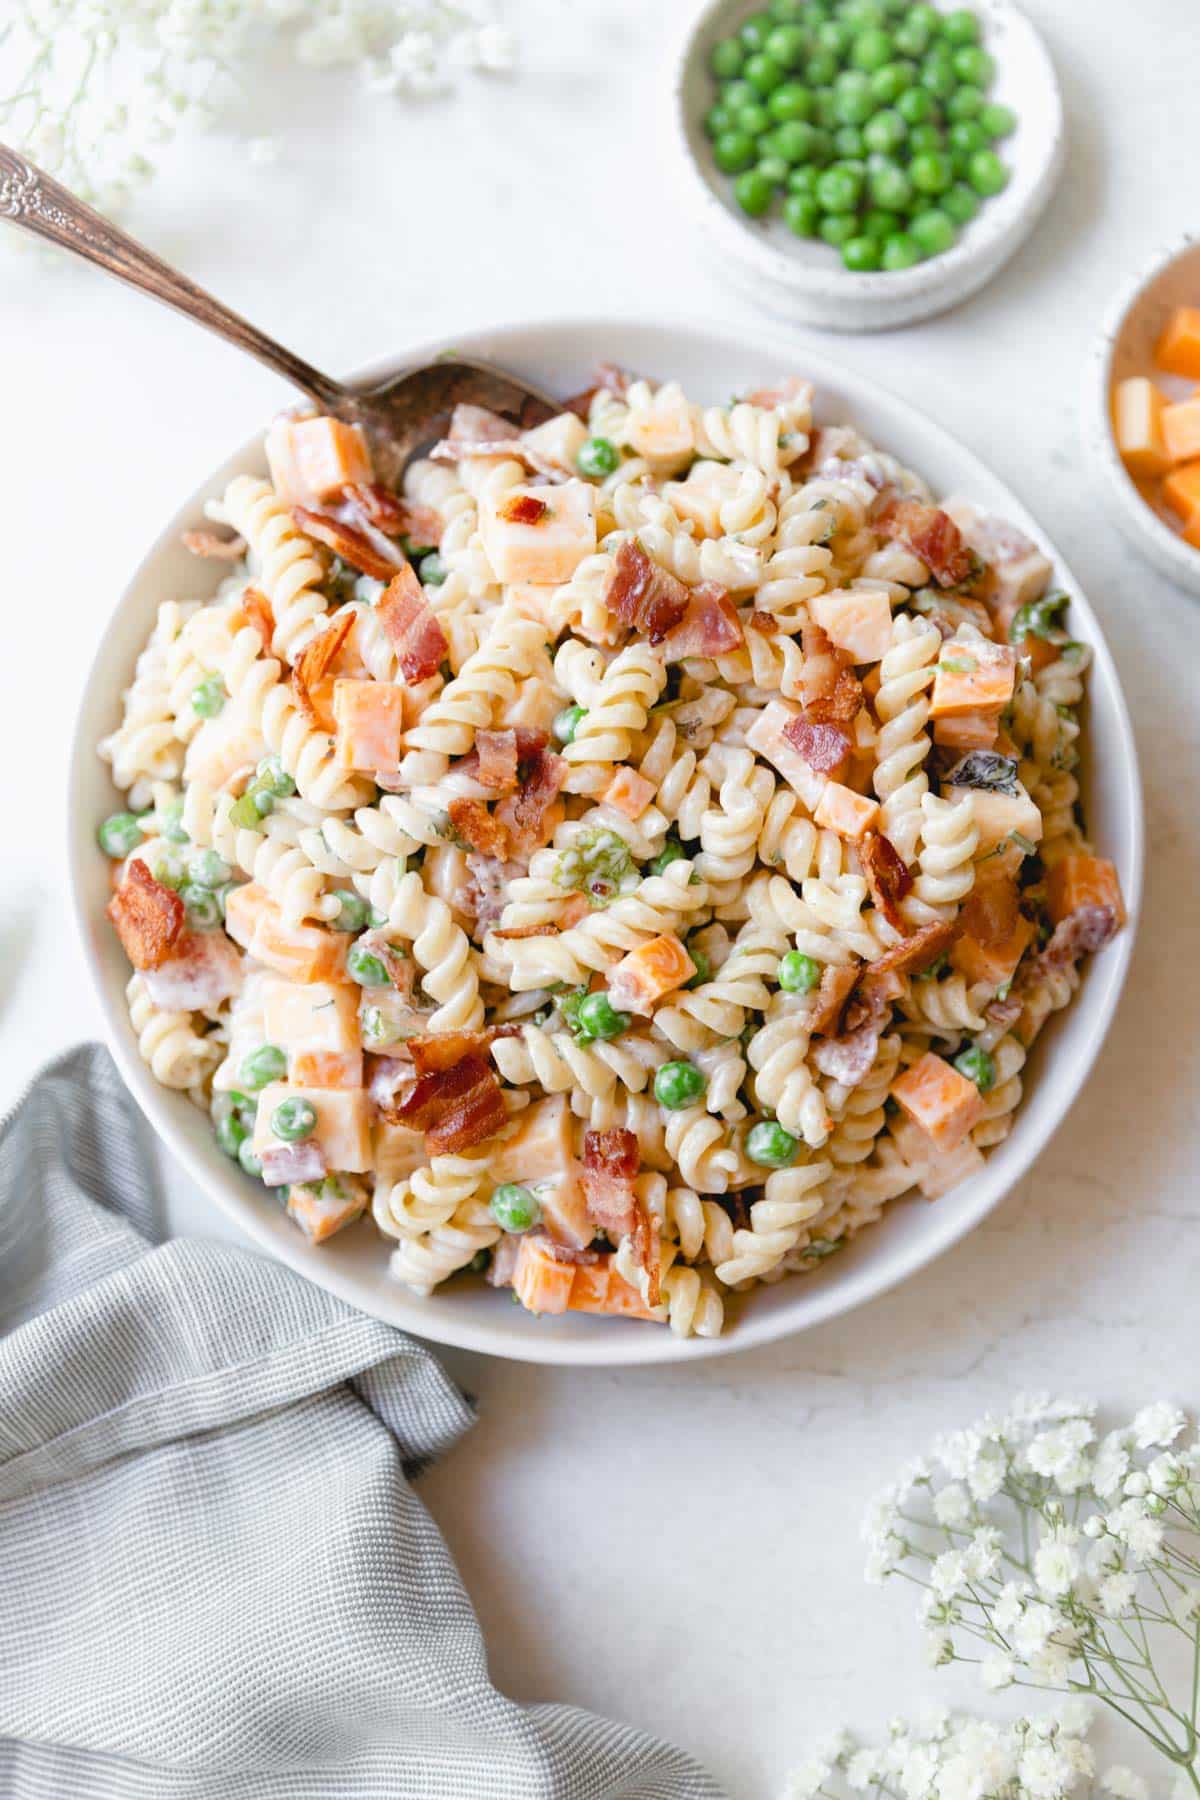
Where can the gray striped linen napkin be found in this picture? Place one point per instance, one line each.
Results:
(215, 1578)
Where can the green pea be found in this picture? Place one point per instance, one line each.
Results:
(825, 108)
(787, 44)
(271, 775)
(960, 204)
(737, 93)
(885, 132)
(803, 180)
(597, 457)
(933, 230)
(773, 169)
(864, 15)
(566, 724)
(822, 145)
(853, 106)
(209, 696)
(790, 101)
(998, 121)
(433, 570)
(231, 1132)
(515, 1208)
(752, 191)
(835, 228)
(352, 910)
(717, 119)
(894, 79)
(207, 869)
(678, 1084)
(763, 73)
(169, 870)
(974, 65)
(801, 214)
(821, 68)
(756, 30)
(799, 974)
(986, 173)
(787, 12)
(794, 142)
(861, 254)
(977, 1066)
(915, 106)
(890, 189)
(928, 139)
(931, 173)
(872, 50)
(170, 823)
(249, 1161)
(244, 813)
(910, 39)
(267, 1063)
(732, 152)
(727, 58)
(703, 967)
(671, 852)
(900, 252)
(960, 27)
(770, 1146)
(838, 191)
(365, 968)
(966, 136)
(927, 17)
(294, 1120)
(965, 102)
(937, 74)
(752, 119)
(833, 37)
(119, 834)
(600, 1019)
(203, 907)
(879, 224)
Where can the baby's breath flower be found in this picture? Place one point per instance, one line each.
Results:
(1123, 1784)
(1057, 1566)
(1158, 1424)
(998, 1672)
(952, 1504)
(1116, 1594)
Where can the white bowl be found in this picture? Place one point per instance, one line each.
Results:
(1126, 347)
(711, 363)
(804, 278)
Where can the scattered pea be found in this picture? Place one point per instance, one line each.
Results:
(678, 1084)
(961, 27)
(566, 724)
(890, 189)
(267, 1063)
(790, 103)
(770, 1146)
(986, 173)
(788, 45)
(209, 696)
(600, 1019)
(998, 121)
(274, 778)
(965, 103)
(774, 170)
(862, 254)
(794, 142)
(515, 1208)
(966, 136)
(207, 869)
(703, 967)
(888, 83)
(850, 142)
(801, 214)
(203, 907)
(803, 180)
(294, 1120)
(974, 66)
(231, 1130)
(249, 1161)
(756, 30)
(799, 974)
(934, 231)
(978, 1066)
(821, 68)
(838, 191)
(835, 228)
(915, 106)
(885, 132)
(365, 968)
(752, 191)
(170, 823)
(752, 118)
(599, 457)
(433, 570)
(727, 58)
(119, 834)
(671, 852)
(732, 152)
(960, 204)
(352, 910)
(900, 252)
(931, 173)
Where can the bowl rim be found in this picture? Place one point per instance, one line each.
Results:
(953, 269)
(1144, 529)
(616, 1347)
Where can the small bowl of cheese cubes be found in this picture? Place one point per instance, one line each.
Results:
(1145, 413)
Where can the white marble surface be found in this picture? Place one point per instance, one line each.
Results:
(715, 1596)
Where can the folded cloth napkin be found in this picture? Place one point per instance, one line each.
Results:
(215, 1579)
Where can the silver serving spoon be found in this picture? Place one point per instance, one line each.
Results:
(400, 415)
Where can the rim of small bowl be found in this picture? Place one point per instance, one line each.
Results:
(987, 243)
(1139, 522)
(616, 1345)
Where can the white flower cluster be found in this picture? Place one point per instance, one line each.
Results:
(945, 1758)
(92, 90)
(1060, 1553)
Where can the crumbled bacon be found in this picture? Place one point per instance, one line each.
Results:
(254, 609)
(582, 1255)
(825, 1003)
(1081, 933)
(375, 505)
(849, 1058)
(912, 954)
(411, 626)
(522, 509)
(1006, 1012)
(503, 1265)
(644, 1242)
(401, 970)
(524, 814)
(208, 543)
(709, 627)
(931, 535)
(823, 747)
(483, 895)
(348, 542)
(841, 705)
(455, 1107)
(476, 826)
(765, 623)
(823, 663)
(286, 1164)
(497, 760)
(421, 525)
(386, 1075)
(202, 969)
(643, 595)
(887, 875)
(314, 662)
(611, 1160)
(148, 916)
(441, 1050)
(874, 993)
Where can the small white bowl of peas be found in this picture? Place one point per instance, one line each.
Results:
(864, 163)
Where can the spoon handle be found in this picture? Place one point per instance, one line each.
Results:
(32, 200)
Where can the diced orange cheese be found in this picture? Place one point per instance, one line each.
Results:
(973, 677)
(1076, 881)
(549, 549)
(316, 1023)
(302, 952)
(993, 963)
(599, 1288)
(996, 816)
(343, 1128)
(558, 441)
(370, 722)
(321, 1210)
(310, 459)
(643, 976)
(541, 1283)
(938, 1099)
(629, 792)
(857, 620)
(541, 1155)
(1181, 430)
(1178, 349)
(1137, 427)
(1191, 531)
(935, 1171)
(1181, 489)
(973, 731)
(396, 1151)
(840, 809)
(766, 738)
(1017, 570)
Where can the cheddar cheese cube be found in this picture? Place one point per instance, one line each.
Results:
(1178, 349)
(312, 459)
(396, 1151)
(369, 719)
(600, 1288)
(1076, 881)
(540, 1155)
(939, 1100)
(539, 534)
(1181, 490)
(857, 620)
(343, 1127)
(766, 737)
(973, 677)
(629, 792)
(642, 977)
(994, 963)
(326, 1207)
(558, 441)
(1018, 570)
(1181, 430)
(973, 731)
(316, 1024)
(302, 952)
(541, 1283)
(840, 809)
(1137, 426)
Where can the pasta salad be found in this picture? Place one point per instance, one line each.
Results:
(622, 862)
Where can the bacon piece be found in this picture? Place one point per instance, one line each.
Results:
(203, 969)
(825, 1003)
(478, 827)
(1083, 932)
(454, 1107)
(503, 1265)
(255, 609)
(849, 1058)
(915, 953)
(376, 505)
(644, 1242)
(932, 535)
(709, 627)
(483, 895)
(887, 875)
(208, 543)
(611, 1160)
(411, 626)
(386, 1075)
(1006, 1012)
(524, 814)
(148, 916)
(441, 1050)
(841, 705)
(313, 664)
(610, 379)
(644, 596)
(353, 546)
(287, 1164)
(498, 757)
(823, 663)
(522, 509)
(823, 747)
(401, 969)
(765, 623)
